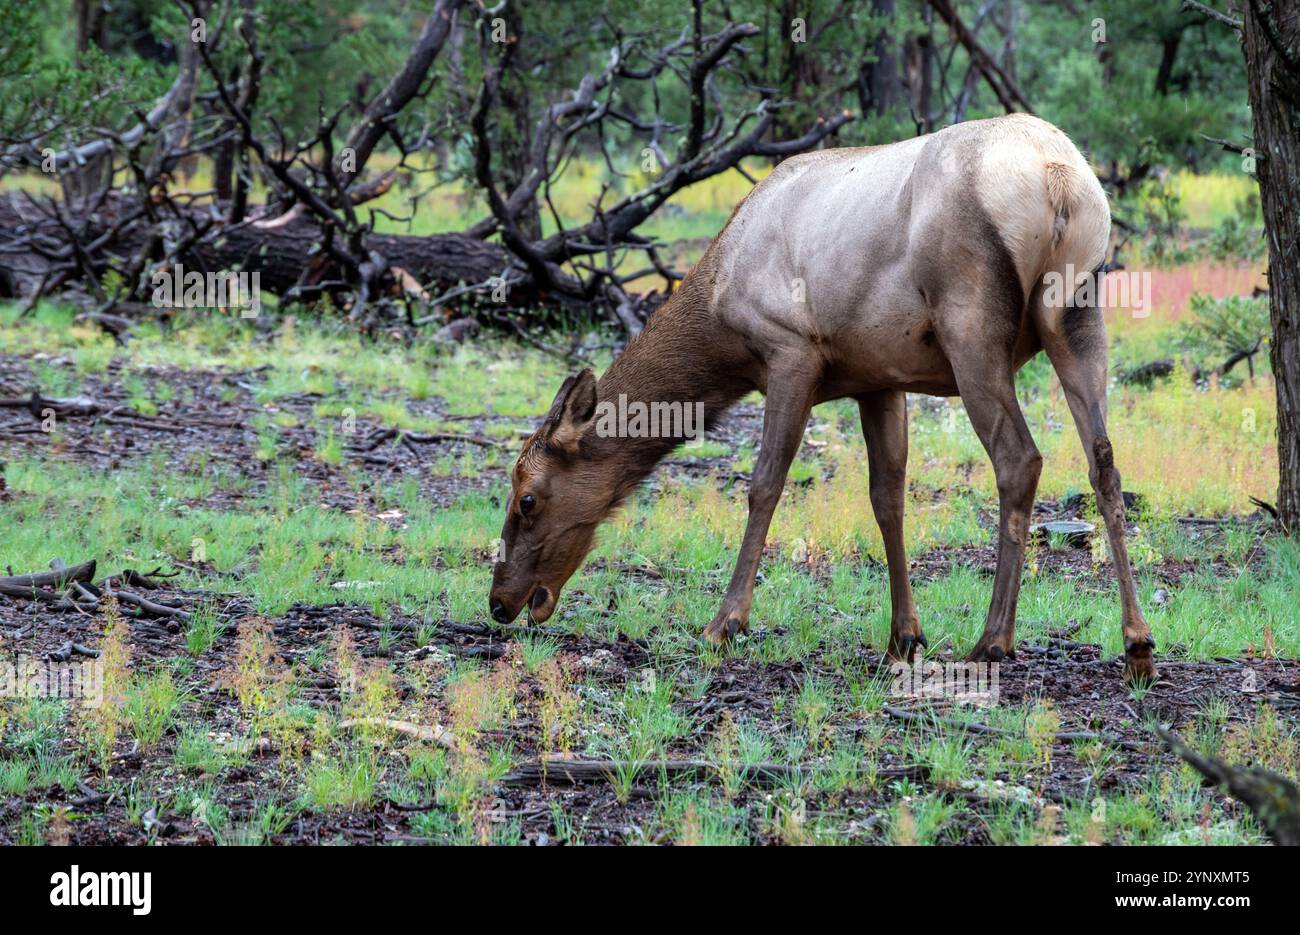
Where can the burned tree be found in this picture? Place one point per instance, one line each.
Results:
(309, 238)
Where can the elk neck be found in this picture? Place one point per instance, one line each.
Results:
(683, 356)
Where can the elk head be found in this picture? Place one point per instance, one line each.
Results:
(560, 490)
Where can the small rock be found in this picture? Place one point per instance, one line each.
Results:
(355, 585)
(457, 332)
(1077, 534)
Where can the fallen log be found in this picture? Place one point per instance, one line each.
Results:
(1274, 799)
(278, 254)
(57, 578)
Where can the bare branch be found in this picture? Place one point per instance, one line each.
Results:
(1195, 7)
(404, 86)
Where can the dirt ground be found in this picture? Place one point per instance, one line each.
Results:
(209, 419)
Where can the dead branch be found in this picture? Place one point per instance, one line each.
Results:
(436, 734)
(402, 89)
(1234, 147)
(429, 438)
(1274, 799)
(1006, 89)
(1195, 7)
(16, 585)
(564, 770)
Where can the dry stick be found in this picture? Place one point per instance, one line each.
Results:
(976, 728)
(150, 607)
(65, 408)
(69, 649)
(142, 424)
(28, 591)
(560, 769)
(453, 437)
(436, 734)
(384, 435)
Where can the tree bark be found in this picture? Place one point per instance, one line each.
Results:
(91, 17)
(919, 56)
(1271, 43)
(1169, 46)
(878, 79)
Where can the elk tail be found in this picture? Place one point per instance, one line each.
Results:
(1062, 194)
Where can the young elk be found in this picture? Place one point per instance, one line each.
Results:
(925, 266)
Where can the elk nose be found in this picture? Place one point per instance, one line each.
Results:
(499, 612)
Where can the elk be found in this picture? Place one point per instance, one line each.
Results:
(921, 266)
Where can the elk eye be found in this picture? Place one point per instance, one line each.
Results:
(526, 503)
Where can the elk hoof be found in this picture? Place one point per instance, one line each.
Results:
(1140, 662)
(990, 652)
(902, 648)
(723, 628)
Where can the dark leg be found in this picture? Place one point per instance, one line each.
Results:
(789, 400)
(986, 382)
(884, 426)
(1077, 349)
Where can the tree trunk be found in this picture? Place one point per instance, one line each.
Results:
(1169, 46)
(799, 78)
(91, 18)
(1009, 22)
(919, 53)
(516, 145)
(878, 79)
(1271, 42)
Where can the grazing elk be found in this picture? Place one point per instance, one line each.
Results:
(917, 267)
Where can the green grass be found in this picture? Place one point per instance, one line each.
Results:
(151, 705)
(282, 535)
(283, 546)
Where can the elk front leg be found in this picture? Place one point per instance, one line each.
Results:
(884, 426)
(789, 400)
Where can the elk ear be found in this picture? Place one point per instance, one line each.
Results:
(573, 410)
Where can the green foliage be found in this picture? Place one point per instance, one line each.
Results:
(1240, 235)
(1221, 329)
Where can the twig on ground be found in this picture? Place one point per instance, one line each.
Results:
(553, 768)
(436, 734)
